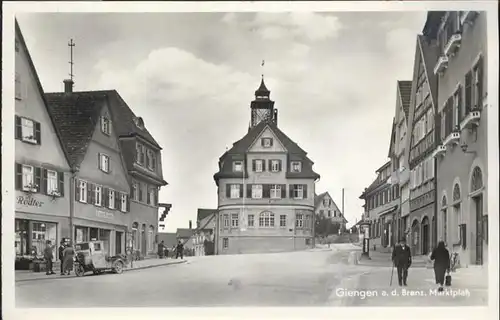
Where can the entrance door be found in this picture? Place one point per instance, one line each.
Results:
(478, 202)
(143, 241)
(425, 239)
(118, 242)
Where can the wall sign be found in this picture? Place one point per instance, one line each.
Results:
(104, 214)
(29, 201)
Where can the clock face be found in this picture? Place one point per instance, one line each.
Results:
(261, 115)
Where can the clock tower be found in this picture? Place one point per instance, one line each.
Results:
(262, 108)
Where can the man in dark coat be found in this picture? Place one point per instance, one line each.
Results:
(180, 250)
(401, 257)
(161, 249)
(48, 256)
(441, 257)
(61, 256)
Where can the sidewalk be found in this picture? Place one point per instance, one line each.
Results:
(25, 275)
(382, 259)
(469, 288)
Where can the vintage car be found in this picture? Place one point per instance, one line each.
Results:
(90, 257)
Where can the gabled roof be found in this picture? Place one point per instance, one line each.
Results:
(430, 55)
(393, 137)
(203, 213)
(319, 198)
(404, 89)
(40, 89)
(76, 116)
(184, 233)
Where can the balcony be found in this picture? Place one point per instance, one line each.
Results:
(452, 139)
(471, 120)
(468, 17)
(440, 151)
(453, 44)
(441, 65)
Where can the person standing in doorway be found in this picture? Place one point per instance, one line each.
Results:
(401, 257)
(180, 250)
(441, 257)
(48, 255)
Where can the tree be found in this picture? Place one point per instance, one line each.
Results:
(325, 227)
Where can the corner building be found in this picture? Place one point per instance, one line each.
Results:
(266, 188)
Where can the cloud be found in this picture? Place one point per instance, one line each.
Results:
(308, 26)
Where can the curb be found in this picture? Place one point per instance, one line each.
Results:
(124, 270)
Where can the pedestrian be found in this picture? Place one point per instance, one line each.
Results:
(68, 256)
(48, 255)
(61, 256)
(401, 257)
(180, 251)
(166, 252)
(441, 257)
(161, 249)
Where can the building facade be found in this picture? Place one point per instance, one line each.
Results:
(461, 153)
(100, 204)
(265, 188)
(324, 206)
(41, 165)
(204, 235)
(421, 144)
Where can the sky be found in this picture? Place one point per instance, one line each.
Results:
(191, 76)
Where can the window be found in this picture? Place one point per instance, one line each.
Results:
(140, 191)
(151, 196)
(28, 130)
(52, 182)
(275, 191)
(430, 120)
(104, 162)
(477, 86)
(226, 220)
(234, 220)
(256, 191)
(17, 45)
(266, 220)
(235, 191)
(225, 243)
(28, 178)
(98, 196)
(326, 202)
(140, 153)
(105, 125)
(18, 87)
(275, 165)
(151, 160)
(123, 202)
(296, 166)
(111, 199)
(298, 191)
(299, 220)
(283, 220)
(456, 108)
(133, 196)
(329, 213)
(82, 187)
(267, 142)
(258, 166)
(251, 220)
(237, 166)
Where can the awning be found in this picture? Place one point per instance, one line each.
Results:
(390, 210)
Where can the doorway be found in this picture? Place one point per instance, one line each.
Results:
(118, 242)
(415, 235)
(143, 240)
(425, 236)
(478, 203)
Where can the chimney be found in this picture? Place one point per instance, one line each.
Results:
(68, 86)
(190, 224)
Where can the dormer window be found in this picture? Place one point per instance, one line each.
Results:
(139, 123)
(296, 166)
(140, 150)
(238, 166)
(267, 142)
(151, 156)
(105, 125)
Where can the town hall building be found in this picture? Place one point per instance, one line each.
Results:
(266, 188)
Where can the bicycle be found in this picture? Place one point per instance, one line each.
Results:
(455, 261)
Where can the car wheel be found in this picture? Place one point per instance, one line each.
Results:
(118, 267)
(79, 271)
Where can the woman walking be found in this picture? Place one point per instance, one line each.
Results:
(441, 257)
(68, 255)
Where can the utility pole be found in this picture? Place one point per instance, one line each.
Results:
(71, 44)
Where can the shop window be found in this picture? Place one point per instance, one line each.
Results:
(40, 234)
(94, 234)
(21, 237)
(151, 238)
(81, 234)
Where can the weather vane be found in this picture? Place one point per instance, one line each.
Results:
(262, 65)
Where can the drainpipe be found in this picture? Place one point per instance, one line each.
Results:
(72, 183)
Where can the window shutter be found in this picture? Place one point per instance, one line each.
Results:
(263, 165)
(460, 105)
(228, 191)
(99, 161)
(241, 191)
(480, 82)
(468, 92)
(118, 200)
(104, 197)
(19, 176)
(271, 141)
(305, 191)
(44, 185)
(38, 178)
(60, 179)
(89, 192)
(249, 191)
(140, 191)
(38, 133)
(18, 133)
(110, 126)
(279, 165)
(270, 164)
(77, 189)
(266, 191)
(261, 142)
(290, 190)
(128, 203)
(283, 191)
(253, 165)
